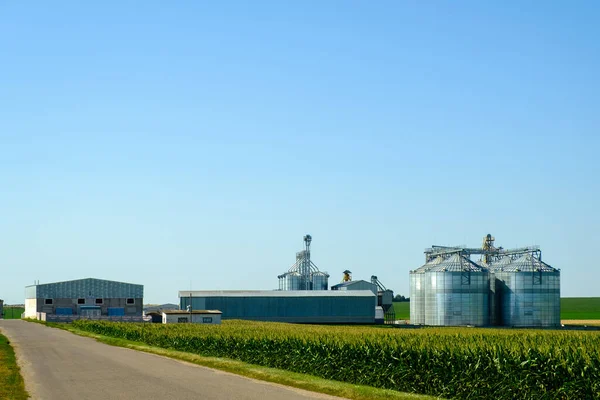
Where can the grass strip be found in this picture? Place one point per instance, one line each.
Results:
(273, 375)
(12, 385)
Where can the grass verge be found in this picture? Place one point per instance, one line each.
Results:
(273, 375)
(11, 382)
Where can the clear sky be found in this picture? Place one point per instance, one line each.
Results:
(196, 142)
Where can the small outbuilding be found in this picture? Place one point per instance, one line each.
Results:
(195, 316)
(154, 316)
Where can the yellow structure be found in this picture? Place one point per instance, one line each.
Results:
(347, 276)
(488, 244)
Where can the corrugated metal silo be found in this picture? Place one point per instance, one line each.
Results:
(417, 297)
(292, 281)
(417, 292)
(529, 292)
(456, 293)
(495, 288)
(320, 281)
(304, 274)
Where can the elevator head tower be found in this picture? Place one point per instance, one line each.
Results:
(304, 274)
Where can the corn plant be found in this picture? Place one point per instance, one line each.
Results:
(448, 362)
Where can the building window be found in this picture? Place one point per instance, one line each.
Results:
(206, 320)
(49, 301)
(130, 301)
(80, 301)
(99, 301)
(182, 319)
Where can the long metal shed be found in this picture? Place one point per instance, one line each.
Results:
(295, 306)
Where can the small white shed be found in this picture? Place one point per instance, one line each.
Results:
(196, 316)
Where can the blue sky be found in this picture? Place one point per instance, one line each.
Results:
(196, 143)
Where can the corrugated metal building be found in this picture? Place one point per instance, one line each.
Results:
(91, 298)
(356, 285)
(296, 306)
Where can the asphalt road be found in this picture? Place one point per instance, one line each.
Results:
(60, 365)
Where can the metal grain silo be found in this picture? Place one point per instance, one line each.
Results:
(495, 289)
(320, 280)
(529, 292)
(456, 293)
(417, 291)
(417, 297)
(304, 274)
(292, 281)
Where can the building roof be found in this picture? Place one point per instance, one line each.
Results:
(85, 288)
(276, 293)
(83, 279)
(169, 312)
(350, 283)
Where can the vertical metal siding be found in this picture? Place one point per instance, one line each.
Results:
(116, 311)
(417, 298)
(290, 309)
(449, 301)
(85, 288)
(524, 304)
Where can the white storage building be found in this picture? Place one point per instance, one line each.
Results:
(196, 316)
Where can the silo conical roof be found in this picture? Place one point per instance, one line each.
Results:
(500, 264)
(454, 263)
(527, 263)
(457, 263)
(427, 266)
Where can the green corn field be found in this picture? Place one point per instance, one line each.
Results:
(447, 362)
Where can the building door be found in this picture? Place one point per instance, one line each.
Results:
(92, 312)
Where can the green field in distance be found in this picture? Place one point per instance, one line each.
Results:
(580, 308)
(402, 310)
(570, 308)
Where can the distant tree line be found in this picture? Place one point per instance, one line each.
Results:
(399, 297)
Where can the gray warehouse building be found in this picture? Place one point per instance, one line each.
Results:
(295, 306)
(84, 298)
